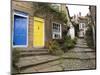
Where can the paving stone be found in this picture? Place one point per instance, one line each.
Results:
(71, 64)
(80, 57)
(26, 61)
(46, 65)
(46, 57)
(42, 66)
(39, 67)
(28, 70)
(70, 55)
(86, 55)
(88, 64)
(54, 63)
(52, 68)
(91, 55)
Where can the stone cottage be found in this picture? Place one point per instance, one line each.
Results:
(82, 26)
(35, 24)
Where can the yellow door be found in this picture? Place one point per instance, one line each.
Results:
(38, 34)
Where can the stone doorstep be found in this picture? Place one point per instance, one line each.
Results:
(33, 50)
(30, 52)
(33, 53)
(32, 61)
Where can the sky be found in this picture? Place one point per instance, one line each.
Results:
(75, 9)
(92, 2)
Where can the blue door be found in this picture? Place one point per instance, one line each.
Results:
(20, 30)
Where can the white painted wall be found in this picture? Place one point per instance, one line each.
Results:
(71, 31)
(82, 29)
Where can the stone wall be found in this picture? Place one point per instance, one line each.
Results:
(26, 7)
(30, 9)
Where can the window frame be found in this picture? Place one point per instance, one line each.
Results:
(59, 33)
(82, 26)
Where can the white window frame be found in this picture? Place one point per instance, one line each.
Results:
(60, 33)
(22, 15)
(81, 26)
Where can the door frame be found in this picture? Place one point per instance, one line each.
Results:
(25, 16)
(43, 33)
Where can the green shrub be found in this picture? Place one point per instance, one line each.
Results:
(74, 40)
(57, 47)
(69, 43)
(54, 48)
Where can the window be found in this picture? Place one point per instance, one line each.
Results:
(56, 31)
(83, 25)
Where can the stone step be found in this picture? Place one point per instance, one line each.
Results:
(79, 56)
(23, 54)
(34, 52)
(43, 67)
(55, 65)
(81, 50)
(25, 62)
(81, 46)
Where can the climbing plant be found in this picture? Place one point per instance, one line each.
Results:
(48, 9)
